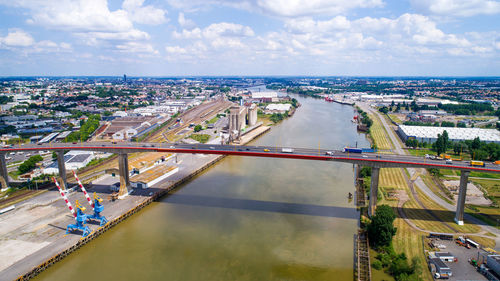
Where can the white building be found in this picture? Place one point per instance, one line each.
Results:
(430, 134)
(278, 107)
(266, 94)
(73, 160)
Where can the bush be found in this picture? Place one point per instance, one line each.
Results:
(198, 128)
(377, 264)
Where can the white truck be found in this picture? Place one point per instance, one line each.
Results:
(287, 150)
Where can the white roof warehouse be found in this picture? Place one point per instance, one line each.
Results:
(430, 134)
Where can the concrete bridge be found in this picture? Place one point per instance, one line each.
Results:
(374, 160)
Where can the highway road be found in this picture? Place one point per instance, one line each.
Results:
(368, 159)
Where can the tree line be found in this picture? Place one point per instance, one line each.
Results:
(86, 129)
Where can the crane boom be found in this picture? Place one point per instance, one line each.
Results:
(65, 198)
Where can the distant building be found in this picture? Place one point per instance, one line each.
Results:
(429, 134)
(278, 107)
(266, 94)
(124, 78)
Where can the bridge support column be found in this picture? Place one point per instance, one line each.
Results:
(124, 175)
(4, 176)
(462, 192)
(373, 191)
(62, 170)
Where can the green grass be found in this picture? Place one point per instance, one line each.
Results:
(484, 175)
(421, 152)
(213, 120)
(492, 188)
(395, 118)
(201, 138)
(14, 174)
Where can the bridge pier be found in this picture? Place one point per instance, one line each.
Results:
(373, 191)
(462, 192)
(124, 175)
(62, 170)
(4, 175)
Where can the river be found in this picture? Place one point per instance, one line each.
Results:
(243, 219)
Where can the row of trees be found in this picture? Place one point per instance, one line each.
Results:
(435, 124)
(365, 119)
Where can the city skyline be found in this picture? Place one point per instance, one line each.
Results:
(239, 38)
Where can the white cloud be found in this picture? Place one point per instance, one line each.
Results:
(216, 31)
(17, 38)
(308, 25)
(185, 23)
(175, 50)
(136, 47)
(458, 8)
(79, 16)
(144, 14)
(92, 20)
(225, 29)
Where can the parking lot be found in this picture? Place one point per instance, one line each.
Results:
(462, 269)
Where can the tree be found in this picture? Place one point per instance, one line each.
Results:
(439, 145)
(384, 109)
(29, 164)
(446, 140)
(381, 229)
(198, 128)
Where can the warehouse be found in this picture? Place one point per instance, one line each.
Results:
(73, 160)
(430, 134)
(152, 176)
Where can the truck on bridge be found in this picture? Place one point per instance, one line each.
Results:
(358, 150)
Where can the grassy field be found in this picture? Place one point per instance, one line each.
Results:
(421, 152)
(395, 118)
(379, 134)
(202, 138)
(213, 120)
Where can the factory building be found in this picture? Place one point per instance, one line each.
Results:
(430, 134)
(237, 118)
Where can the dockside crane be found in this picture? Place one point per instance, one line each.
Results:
(79, 215)
(96, 205)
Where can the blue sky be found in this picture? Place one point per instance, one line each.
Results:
(250, 37)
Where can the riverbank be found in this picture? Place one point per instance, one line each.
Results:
(26, 258)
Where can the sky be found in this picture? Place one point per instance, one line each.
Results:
(250, 37)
